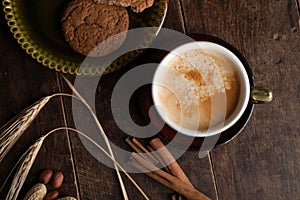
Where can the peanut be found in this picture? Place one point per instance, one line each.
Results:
(46, 176)
(37, 192)
(51, 195)
(57, 179)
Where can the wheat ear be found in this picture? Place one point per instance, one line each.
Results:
(23, 170)
(13, 129)
(102, 133)
(13, 169)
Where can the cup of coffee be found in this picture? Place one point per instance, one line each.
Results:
(201, 89)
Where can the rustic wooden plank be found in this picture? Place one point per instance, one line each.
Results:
(95, 179)
(174, 18)
(263, 161)
(24, 81)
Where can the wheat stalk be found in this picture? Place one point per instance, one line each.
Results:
(32, 152)
(102, 133)
(23, 170)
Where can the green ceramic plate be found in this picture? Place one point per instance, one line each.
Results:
(36, 26)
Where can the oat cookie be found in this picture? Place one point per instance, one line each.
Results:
(85, 24)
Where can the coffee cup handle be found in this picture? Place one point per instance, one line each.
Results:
(260, 95)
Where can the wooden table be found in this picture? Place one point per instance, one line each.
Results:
(261, 163)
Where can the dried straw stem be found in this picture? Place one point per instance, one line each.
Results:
(102, 133)
(107, 154)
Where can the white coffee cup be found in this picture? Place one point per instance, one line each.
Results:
(215, 52)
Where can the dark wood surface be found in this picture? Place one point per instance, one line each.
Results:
(261, 163)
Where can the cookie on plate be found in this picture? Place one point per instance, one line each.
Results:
(86, 24)
(136, 5)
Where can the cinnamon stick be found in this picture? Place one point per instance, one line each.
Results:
(135, 141)
(166, 179)
(178, 181)
(144, 150)
(139, 148)
(167, 157)
(155, 154)
(132, 145)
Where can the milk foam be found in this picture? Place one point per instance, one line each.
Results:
(206, 75)
(194, 77)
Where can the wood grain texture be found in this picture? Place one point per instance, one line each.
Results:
(263, 161)
(23, 82)
(174, 18)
